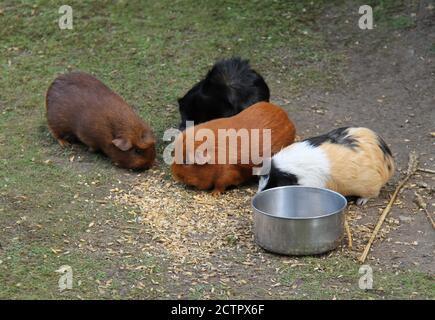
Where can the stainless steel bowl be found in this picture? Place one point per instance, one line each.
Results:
(296, 220)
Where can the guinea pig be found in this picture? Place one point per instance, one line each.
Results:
(206, 169)
(228, 88)
(79, 106)
(353, 161)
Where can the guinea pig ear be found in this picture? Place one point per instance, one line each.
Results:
(122, 144)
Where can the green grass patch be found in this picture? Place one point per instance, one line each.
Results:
(385, 14)
(29, 272)
(339, 278)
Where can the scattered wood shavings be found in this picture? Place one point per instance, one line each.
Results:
(198, 231)
(190, 225)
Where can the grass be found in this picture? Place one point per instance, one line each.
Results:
(150, 52)
(28, 272)
(339, 278)
(387, 13)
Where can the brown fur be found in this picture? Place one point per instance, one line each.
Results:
(218, 177)
(80, 106)
(361, 172)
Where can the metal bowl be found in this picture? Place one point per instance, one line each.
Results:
(296, 220)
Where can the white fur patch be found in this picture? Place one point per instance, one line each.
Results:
(309, 164)
(361, 201)
(263, 182)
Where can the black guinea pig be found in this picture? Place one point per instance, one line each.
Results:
(228, 88)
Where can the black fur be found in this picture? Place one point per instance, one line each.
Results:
(338, 136)
(229, 87)
(384, 147)
(278, 178)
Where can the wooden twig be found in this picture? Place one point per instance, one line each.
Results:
(422, 205)
(412, 168)
(349, 234)
(426, 170)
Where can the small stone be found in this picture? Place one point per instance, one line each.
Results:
(405, 218)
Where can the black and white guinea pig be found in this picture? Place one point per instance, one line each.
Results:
(353, 161)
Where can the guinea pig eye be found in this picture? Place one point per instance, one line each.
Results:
(139, 152)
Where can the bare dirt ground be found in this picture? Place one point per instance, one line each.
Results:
(389, 86)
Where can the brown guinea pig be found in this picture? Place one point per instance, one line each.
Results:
(209, 172)
(80, 106)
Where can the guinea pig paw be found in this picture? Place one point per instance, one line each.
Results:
(361, 201)
(216, 193)
(63, 143)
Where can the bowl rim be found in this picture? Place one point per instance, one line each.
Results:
(300, 218)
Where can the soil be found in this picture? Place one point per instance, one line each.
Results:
(389, 86)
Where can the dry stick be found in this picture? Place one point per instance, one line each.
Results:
(349, 234)
(426, 170)
(422, 205)
(412, 168)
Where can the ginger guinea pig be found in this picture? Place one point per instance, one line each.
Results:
(221, 164)
(80, 106)
(353, 161)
